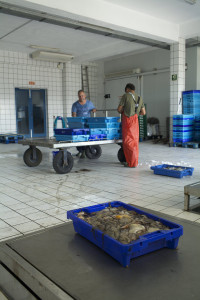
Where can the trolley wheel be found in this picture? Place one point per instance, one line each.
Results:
(58, 163)
(93, 152)
(121, 156)
(32, 159)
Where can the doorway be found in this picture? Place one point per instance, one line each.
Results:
(31, 112)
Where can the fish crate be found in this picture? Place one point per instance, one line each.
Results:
(172, 170)
(71, 131)
(123, 253)
(72, 138)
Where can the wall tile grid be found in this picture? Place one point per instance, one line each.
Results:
(177, 66)
(71, 85)
(16, 71)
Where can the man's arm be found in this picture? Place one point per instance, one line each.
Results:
(142, 111)
(73, 114)
(120, 109)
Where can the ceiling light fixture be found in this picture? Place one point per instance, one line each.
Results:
(44, 48)
(51, 56)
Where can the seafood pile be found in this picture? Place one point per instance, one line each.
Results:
(174, 168)
(121, 224)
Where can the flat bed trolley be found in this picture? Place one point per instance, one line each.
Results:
(63, 160)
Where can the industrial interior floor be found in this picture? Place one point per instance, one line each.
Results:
(33, 199)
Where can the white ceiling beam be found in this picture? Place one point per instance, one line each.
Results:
(190, 29)
(108, 15)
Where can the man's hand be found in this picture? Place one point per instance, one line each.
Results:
(120, 109)
(142, 112)
(94, 110)
(73, 114)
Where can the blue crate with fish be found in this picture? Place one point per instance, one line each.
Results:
(103, 120)
(172, 170)
(166, 236)
(71, 131)
(72, 138)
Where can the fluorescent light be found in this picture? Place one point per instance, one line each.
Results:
(44, 48)
(51, 56)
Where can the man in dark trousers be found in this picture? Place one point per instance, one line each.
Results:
(131, 105)
(82, 108)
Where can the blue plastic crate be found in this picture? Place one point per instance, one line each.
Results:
(104, 125)
(182, 140)
(77, 125)
(183, 117)
(72, 138)
(76, 119)
(102, 120)
(161, 170)
(71, 131)
(104, 130)
(97, 137)
(125, 252)
(183, 127)
(113, 136)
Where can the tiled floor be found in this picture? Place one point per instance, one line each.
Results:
(32, 199)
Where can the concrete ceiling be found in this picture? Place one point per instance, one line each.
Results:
(18, 33)
(175, 11)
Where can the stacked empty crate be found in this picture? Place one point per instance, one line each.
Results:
(191, 105)
(183, 128)
(142, 127)
(108, 128)
(82, 129)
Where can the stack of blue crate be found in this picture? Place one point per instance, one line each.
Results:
(72, 135)
(109, 127)
(197, 128)
(77, 122)
(183, 128)
(191, 102)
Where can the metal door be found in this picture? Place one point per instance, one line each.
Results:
(30, 112)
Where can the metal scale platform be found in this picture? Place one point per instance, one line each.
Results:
(59, 264)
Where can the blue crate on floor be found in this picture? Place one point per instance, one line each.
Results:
(71, 131)
(102, 120)
(72, 138)
(125, 252)
(8, 138)
(104, 125)
(162, 170)
(181, 140)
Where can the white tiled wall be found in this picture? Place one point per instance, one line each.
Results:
(61, 84)
(71, 85)
(16, 71)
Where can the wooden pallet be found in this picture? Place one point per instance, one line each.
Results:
(10, 138)
(194, 145)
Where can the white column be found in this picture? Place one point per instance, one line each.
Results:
(177, 79)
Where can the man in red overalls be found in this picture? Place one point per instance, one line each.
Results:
(131, 105)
